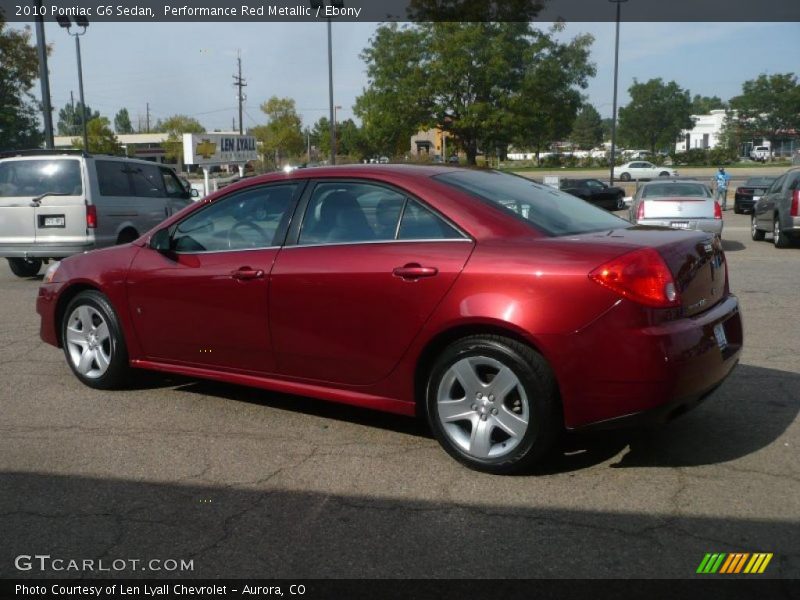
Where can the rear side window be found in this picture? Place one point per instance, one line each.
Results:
(112, 178)
(36, 177)
(419, 223)
(549, 210)
(147, 181)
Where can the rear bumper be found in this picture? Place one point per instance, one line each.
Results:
(708, 225)
(744, 202)
(44, 250)
(618, 375)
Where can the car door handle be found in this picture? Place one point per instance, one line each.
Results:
(246, 273)
(414, 271)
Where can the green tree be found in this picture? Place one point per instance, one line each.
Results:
(282, 136)
(70, 118)
(655, 115)
(587, 130)
(122, 122)
(19, 123)
(702, 105)
(486, 83)
(769, 107)
(175, 126)
(102, 139)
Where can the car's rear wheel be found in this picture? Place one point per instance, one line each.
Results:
(755, 232)
(736, 209)
(779, 238)
(25, 267)
(620, 202)
(625, 177)
(664, 174)
(93, 341)
(492, 403)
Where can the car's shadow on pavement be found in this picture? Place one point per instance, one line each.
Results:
(732, 246)
(748, 412)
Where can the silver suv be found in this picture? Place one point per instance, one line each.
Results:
(57, 203)
(778, 211)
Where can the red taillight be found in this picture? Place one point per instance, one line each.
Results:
(717, 210)
(91, 216)
(641, 276)
(795, 211)
(640, 211)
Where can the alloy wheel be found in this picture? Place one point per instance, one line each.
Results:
(482, 407)
(88, 341)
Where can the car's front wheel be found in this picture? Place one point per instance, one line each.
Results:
(664, 174)
(755, 232)
(25, 267)
(620, 202)
(625, 177)
(93, 341)
(492, 403)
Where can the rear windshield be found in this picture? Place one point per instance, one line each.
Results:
(760, 181)
(550, 210)
(671, 190)
(36, 177)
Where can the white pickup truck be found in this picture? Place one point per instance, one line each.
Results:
(760, 153)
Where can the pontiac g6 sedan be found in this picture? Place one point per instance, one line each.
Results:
(499, 309)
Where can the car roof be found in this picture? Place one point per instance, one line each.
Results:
(357, 170)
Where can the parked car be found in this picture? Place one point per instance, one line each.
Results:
(760, 153)
(497, 307)
(748, 194)
(677, 204)
(640, 169)
(778, 211)
(58, 203)
(596, 192)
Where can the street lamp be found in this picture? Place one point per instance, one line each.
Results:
(614, 109)
(334, 140)
(82, 22)
(316, 5)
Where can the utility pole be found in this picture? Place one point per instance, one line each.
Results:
(614, 109)
(44, 78)
(147, 118)
(239, 83)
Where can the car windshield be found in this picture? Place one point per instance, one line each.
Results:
(548, 209)
(760, 181)
(36, 177)
(657, 191)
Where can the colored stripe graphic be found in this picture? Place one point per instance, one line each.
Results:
(734, 563)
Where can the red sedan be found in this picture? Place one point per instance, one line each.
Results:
(501, 309)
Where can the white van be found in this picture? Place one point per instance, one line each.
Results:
(54, 203)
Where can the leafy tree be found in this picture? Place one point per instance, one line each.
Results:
(702, 105)
(769, 107)
(102, 139)
(70, 118)
(587, 130)
(656, 114)
(321, 136)
(19, 123)
(486, 83)
(175, 126)
(122, 122)
(282, 136)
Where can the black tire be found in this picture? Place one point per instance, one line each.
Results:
(25, 267)
(755, 233)
(779, 238)
(118, 371)
(736, 209)
(620, 202)
(625, 177)
(534, 376)
(127, 236)
(664, 174)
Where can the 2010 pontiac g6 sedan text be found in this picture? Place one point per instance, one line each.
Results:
(502, 310)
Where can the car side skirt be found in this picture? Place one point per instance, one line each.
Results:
(342, 396)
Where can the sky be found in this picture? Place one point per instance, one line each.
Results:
(189, 68)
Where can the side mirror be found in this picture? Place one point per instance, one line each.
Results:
(194, 193)
(160, 241)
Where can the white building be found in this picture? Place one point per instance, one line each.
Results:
(705, 134)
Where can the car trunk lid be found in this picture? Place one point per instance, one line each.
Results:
(679, 208)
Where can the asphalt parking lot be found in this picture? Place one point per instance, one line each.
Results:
(251, 484)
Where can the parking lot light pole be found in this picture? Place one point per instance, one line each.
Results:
(316, 5)
(82, 22)
(614, 108)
